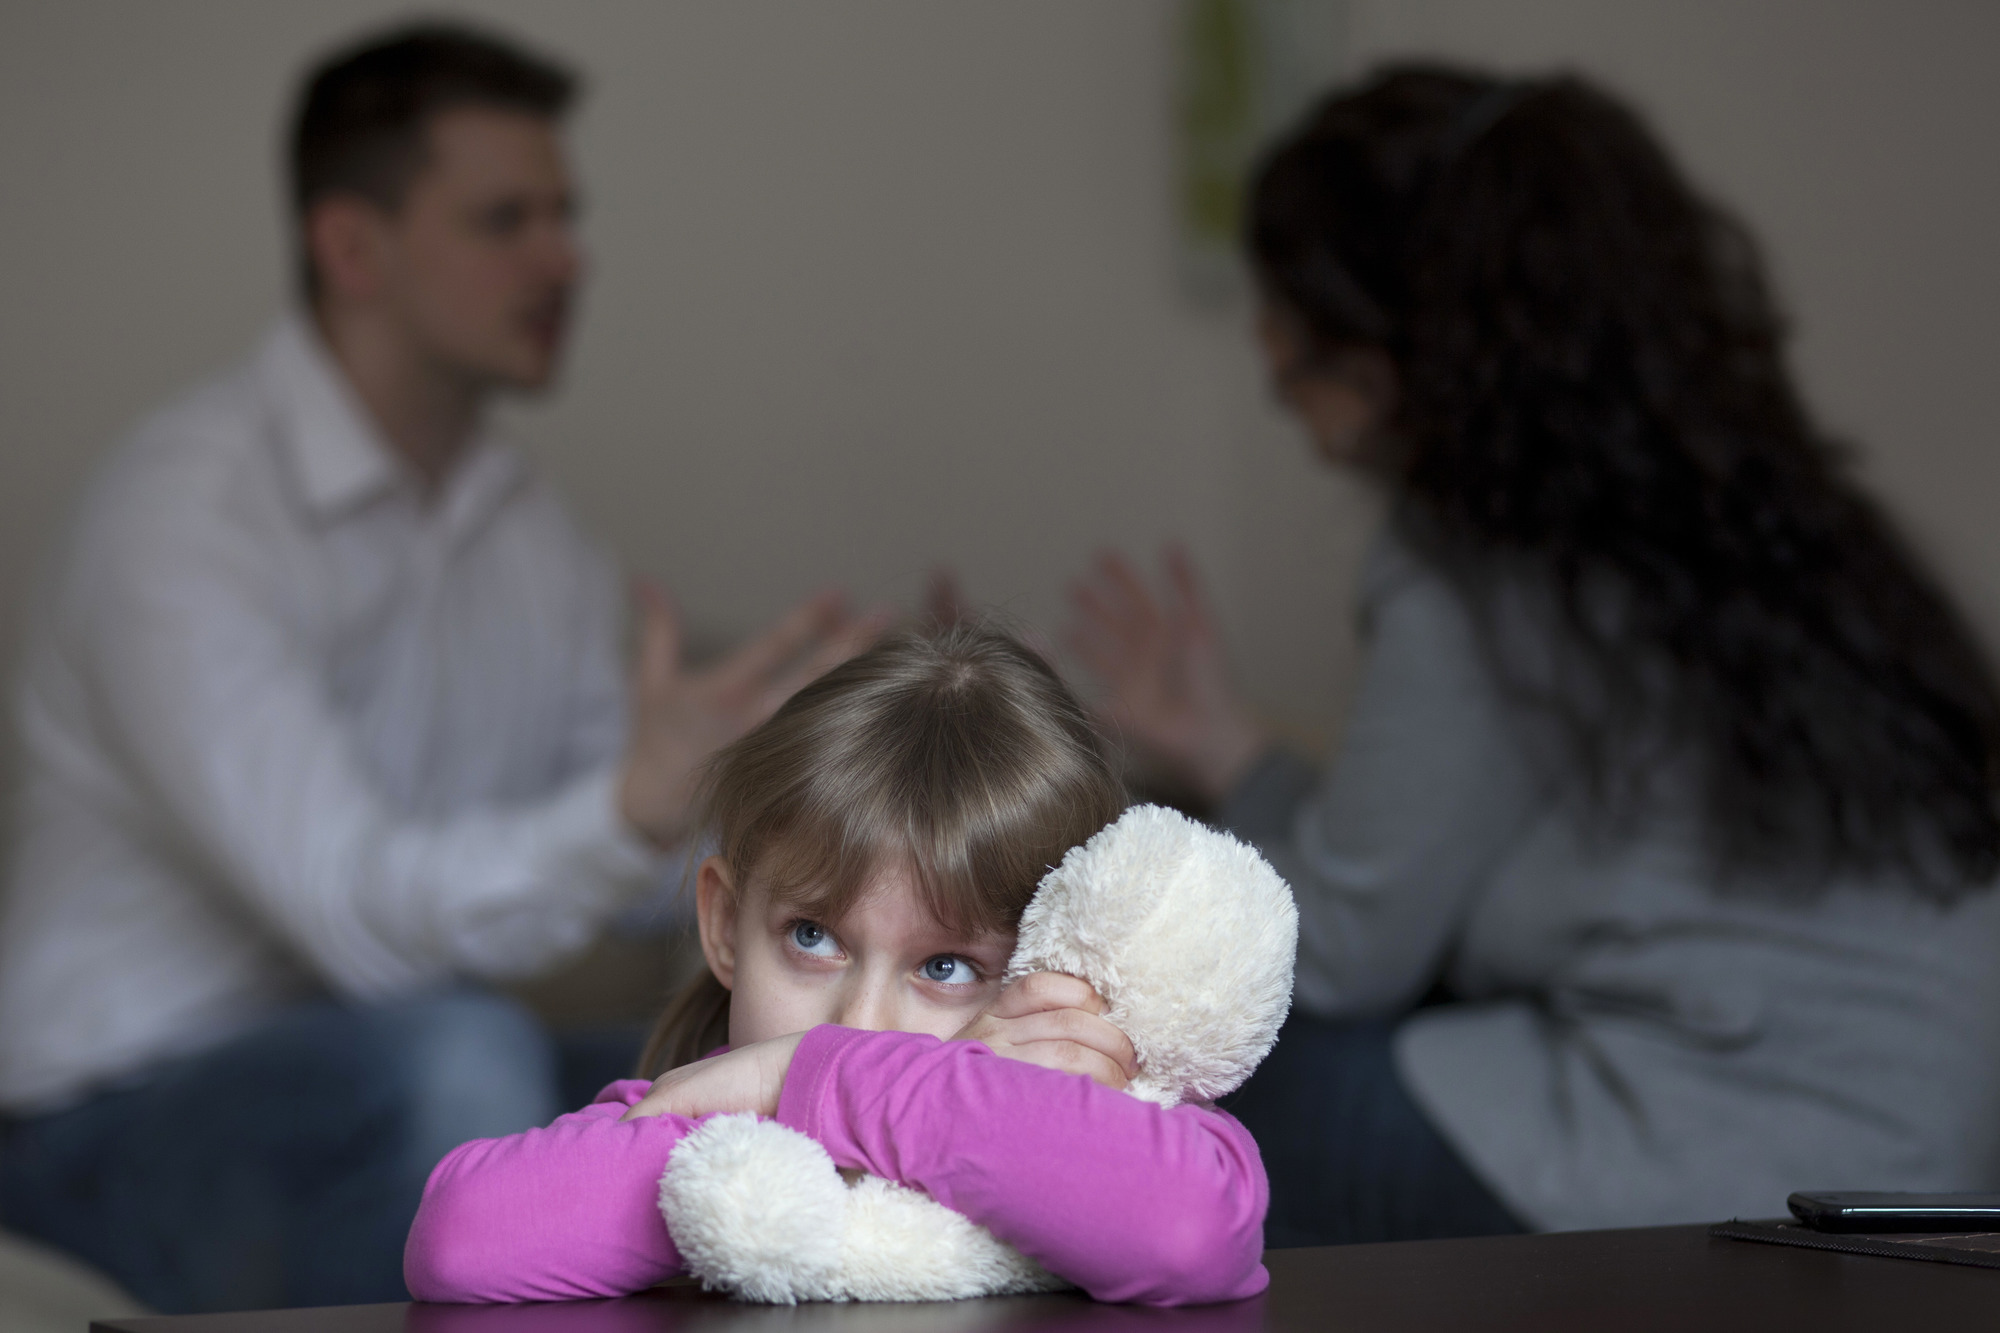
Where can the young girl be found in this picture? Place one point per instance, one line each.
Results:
(876, 842)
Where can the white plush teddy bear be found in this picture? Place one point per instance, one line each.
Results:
(1187, 934)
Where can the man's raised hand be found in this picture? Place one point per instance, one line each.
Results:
(681, 717)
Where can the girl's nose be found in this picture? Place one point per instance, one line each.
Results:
(869, 1005)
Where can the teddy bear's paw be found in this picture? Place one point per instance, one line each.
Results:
(756, 1209)
(1187, 933)
(903, 1245)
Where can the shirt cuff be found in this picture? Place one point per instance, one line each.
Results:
(1260, 808)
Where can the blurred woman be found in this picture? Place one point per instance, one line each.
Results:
(1650, 882)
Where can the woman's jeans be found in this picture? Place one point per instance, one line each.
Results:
(1350, 1156)
(283, 1167)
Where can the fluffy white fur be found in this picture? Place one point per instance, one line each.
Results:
(1187, 934)
(760, 1210)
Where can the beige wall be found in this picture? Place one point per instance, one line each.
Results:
(881, 282)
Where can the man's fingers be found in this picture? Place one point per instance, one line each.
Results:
(659, 634)
(857, 636)
(810, 620)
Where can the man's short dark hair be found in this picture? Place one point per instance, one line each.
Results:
(361, 122)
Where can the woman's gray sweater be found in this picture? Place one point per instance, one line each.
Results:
(1631, 1045)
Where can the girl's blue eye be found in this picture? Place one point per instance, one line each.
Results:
(811, 937)
(948, 970)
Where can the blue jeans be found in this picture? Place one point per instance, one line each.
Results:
(1350, 1156)
(283, 1167)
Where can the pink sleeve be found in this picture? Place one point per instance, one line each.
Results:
(1127, 1200)
(551, 1214)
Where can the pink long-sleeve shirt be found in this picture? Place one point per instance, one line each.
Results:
(1130, 1201)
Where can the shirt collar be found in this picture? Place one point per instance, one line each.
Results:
(480, 481)
(339, 457)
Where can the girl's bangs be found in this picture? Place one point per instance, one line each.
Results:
(823, 872)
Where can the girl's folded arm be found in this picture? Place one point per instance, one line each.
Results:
(559, 1213)
(1128, 1200)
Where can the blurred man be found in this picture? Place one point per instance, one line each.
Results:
(323, 714)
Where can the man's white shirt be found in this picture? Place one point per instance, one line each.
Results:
(291, 730)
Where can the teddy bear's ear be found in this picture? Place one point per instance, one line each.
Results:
(1189, 935)
(756, 1209)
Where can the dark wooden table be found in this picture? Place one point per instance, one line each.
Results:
(1611, 1281)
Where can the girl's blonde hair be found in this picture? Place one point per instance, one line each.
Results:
(957, 752)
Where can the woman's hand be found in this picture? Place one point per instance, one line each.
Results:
(748, 1079)
(1052, 1020)
(1169, 689)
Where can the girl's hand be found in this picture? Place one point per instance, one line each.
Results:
(1169, 689)
(748, 1079)
(1052, 1020)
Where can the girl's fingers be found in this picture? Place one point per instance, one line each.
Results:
(657, 1101)
(748, 1078)
(697, 1089)
(1075, 1058)
(1041, 991)
(1071, 1027)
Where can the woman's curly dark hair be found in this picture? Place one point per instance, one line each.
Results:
(1593, 389)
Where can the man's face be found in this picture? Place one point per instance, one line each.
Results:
(479, 265)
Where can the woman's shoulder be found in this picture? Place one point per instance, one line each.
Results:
(1402, 578)
(1482, 621)
(1392, 565)
(1406, 600)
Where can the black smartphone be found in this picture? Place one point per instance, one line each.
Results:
(1863, 1212)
